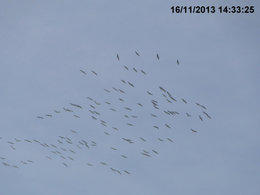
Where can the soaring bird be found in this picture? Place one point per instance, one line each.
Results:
(137, 53)
(94, 72)
(157, 55)
(134, 69)
(131, 84)
(67, 110)
(194, 131)
(184, 101)
(188, 115)
(83, 71)
(206, 114)
(143, 72)
(201, 106)
(117, 56)
(178, 62)
(76, 105)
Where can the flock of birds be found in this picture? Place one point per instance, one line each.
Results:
(125, 123)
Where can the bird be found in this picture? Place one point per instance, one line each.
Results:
(67, 110)
(155, 151)
(178, 62)
(168, 126)
(137, 53)
(188, 115)
(149, 92)
(117, 56)
(157, 55)
(184, 101)
(201, 106)
(131, 84)
(142, 71)
(83, 71)
(194, 131)
(76, 105)
(94, 72)
(206, 114)
(142, 139)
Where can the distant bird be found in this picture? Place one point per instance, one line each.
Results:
(73, 131)
(107, 90)
(127, 108)
(155, 151)
(206, 114)
(161, 140)
(117, 56)
(67, 110)
(126, 67)
(139, 104)
(201, 106)
(149, 92)
(142, 139)
(137, 53)
(184, 101)
(65, 164)
(153, 115)
(143, 72)
(94, 72)
(134, 69)
(57, 111)
(194, 131)
(131, 84)
(76, 105)
(157, 55)
(128, 140)
(168, 126)
(40, 117)
(178, 62)
(49, 115)
(145, 154)
(83, 71)
(126, 172)
(188, 115)
(200, 118)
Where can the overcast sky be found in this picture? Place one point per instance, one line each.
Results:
(45, 44)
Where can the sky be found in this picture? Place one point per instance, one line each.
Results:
(45, 44)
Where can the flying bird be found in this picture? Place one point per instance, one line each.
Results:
(194, 131)
(137, 53)
(83, 71)
(94, 72)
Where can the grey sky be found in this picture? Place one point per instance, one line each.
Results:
(44, 44)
